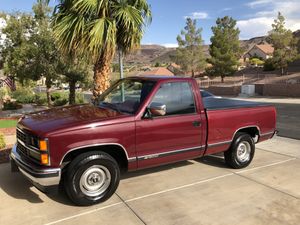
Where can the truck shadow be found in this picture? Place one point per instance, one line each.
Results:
(152, 170)
(18, 187)
(216, 160)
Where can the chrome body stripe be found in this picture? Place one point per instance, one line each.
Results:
(163, 154)
(267, 133)
(218, 143)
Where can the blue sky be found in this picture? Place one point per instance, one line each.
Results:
(254, 16)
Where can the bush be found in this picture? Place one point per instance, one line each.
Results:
(256, 62)
(79, 98)
(11, 105)
(59, 98)
(269, 65)
(24, 95)
(41, 99)
(2, 141)
(60, 102)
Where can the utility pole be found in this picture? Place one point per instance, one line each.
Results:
(121, 74)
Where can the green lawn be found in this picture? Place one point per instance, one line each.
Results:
(8, 123)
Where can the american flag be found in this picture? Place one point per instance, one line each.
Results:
(10, 83)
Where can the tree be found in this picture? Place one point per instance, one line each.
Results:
(225, 48)
(97, 28)
(16, 50)
(29, 50)
(74, 71)
(284, 43)
(189, 54)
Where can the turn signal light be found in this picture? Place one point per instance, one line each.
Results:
(43, 145)
(44, 159)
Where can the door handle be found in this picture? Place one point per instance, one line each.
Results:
(196, 123)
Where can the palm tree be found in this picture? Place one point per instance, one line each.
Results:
(98, 28)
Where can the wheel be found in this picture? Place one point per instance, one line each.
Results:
(91, 178)
(241, 151)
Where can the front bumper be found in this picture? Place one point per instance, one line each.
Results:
(42, 178)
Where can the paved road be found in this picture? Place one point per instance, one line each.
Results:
(288, 120)
(288, 115)
(201, 191)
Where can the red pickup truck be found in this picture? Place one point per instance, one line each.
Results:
(138, 122)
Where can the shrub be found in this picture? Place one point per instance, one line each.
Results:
(24, 95)
(2, 141)
(256, 62)
(79, 98)
(41, 99)
(60, 102)
(8, 105)
(59, 98)
(269, 65)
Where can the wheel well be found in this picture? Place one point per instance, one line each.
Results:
(115, 151)
(252, 131)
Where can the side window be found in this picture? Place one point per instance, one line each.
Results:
(177, 96)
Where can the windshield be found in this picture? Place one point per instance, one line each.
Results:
(126, 95)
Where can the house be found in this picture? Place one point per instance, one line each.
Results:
(159, 71)
(263, 51)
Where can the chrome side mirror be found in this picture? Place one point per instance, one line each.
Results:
(157, 109)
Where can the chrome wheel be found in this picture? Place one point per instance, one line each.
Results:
(243, 151)
(95, 180)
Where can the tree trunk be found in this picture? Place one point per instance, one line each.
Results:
(222, 79)
(101, 74)
(72, 87)
(48, 86)
(282, 71)
(193, 73)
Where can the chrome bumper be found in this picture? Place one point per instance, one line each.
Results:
(40, 177)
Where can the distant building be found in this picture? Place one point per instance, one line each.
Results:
(159, 71)
(263, 51)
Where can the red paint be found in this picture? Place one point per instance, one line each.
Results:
(78, 126)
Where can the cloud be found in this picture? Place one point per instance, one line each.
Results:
(170, 45)
(254, 27)
(197, 15)
(258, 3)
(226, 9)
(266, 11)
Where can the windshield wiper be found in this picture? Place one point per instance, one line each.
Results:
(111, 106)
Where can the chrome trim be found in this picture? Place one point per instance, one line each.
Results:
(267, 133)
(43, 177)
(28, 146)
(244, 128)
(132, 159)
(219, 143)
(157, 155)
(229, 141)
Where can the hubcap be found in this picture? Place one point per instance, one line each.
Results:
(95, 180)
(243, 151)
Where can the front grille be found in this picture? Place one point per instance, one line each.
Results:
(27, 145)
(22, 150)
(21, 135)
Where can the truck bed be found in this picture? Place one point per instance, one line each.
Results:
(227, 103)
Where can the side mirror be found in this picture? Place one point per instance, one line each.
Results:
(157, 109)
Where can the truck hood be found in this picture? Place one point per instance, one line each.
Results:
(66, 118)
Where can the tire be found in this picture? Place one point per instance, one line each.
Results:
(241, 151)
(91, 178)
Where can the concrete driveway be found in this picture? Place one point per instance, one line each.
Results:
(201, 191)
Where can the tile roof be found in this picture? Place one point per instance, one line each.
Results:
(158, 71)
(266, 48)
